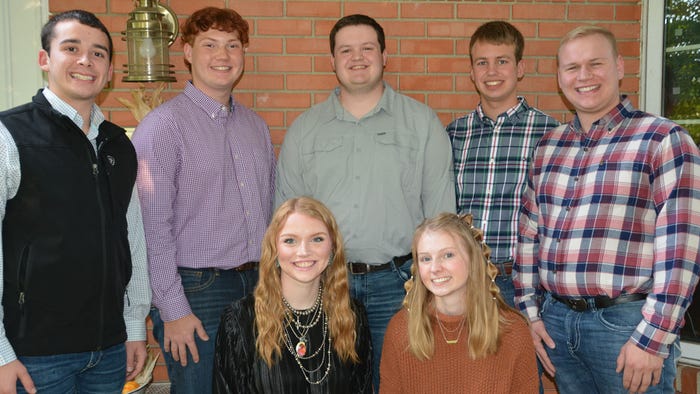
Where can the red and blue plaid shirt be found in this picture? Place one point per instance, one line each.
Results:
(611, 211)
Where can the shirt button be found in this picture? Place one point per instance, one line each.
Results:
(241, 184)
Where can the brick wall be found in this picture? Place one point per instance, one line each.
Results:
(288, 67)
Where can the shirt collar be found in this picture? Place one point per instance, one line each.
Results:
(212, 107)
(513, 112)
(386, 104)
(96, 115)
(612, 119)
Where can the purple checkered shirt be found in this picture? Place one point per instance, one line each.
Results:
(614, 210)
(206, 183)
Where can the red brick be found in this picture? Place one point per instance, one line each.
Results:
(94, 6)
(322, 28)
(546, 66)
(534, 83)
(379, 10)
(277, 136)
(404, 28)
(307, 45)
(451, 101)
(464, 84)
(309, 8)
(261, 82)
(322, 63)
(484, 12)
(187, 7)
(628, 13)
(555, 30)
(425, 10)
(429, 83)
(590, 13)
(272, 118)
(121, 7)
(310, 82)
(283, 63)
(449, 64)
(422, 47)
(538, 11)
(265, 45)
(299, 27)
(282, 100)
(456, 29)
(405, 64)
(252, 8)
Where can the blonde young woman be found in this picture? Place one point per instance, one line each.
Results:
(299, 332)
(455, 333)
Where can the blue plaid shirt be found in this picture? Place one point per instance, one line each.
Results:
(491, 158)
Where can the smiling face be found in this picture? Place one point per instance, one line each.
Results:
(495, 73)
(589, 74)
(304, 248)
(77, 64)
(218, 59)
(443, 268)
(358, 60)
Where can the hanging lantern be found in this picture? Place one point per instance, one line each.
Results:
(150, 30)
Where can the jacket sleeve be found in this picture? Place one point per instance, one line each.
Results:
(234, 353)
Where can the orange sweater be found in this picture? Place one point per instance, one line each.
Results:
(512, 369)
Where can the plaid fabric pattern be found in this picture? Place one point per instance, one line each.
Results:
(491, 158)
(614, 210)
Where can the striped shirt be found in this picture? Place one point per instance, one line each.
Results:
(491, 159)
(614, 210)
(206, 183)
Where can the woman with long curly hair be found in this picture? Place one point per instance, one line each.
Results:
(455, 333)
(299, 332)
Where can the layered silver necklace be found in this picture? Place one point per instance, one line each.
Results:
(297, 338)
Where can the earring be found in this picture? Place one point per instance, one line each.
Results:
(277, 263)
(331, 258)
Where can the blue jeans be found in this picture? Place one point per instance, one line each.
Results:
(588, 343)
(381, 293)
(505, 284)
(208, 291)
(99, 372)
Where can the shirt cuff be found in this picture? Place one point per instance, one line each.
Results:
(7, 354)
(653, 340)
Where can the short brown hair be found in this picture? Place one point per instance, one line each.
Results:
(224, 19)
(499, 33)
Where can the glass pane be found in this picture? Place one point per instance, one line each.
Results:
(682, 97)
(682, 64)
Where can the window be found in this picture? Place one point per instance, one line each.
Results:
(671, 88)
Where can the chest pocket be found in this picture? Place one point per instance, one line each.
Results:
(400, 153)
(325, 160)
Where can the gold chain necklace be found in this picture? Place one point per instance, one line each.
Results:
(443, 329)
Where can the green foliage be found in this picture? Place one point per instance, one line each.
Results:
(682, 57)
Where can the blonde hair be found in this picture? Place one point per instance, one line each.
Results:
(484, 305)
(589, 30)
(270, 313)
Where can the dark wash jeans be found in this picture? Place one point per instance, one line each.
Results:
(98, 372)
(208, 292)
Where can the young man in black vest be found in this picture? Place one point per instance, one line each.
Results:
(75, 286)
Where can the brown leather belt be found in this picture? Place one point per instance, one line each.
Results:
(246, 266)
(600, 302)
(505, 268)
(364, 268)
